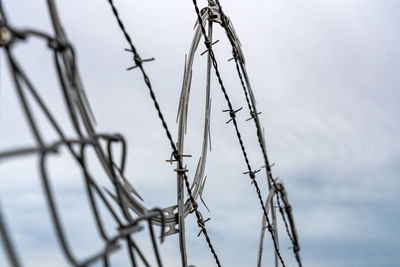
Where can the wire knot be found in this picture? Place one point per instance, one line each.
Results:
(253, 115)
(202, 224)
(232, 113)
(252, 174)
(270, 228)
(138, 60)
(176, 155)
(208, 43)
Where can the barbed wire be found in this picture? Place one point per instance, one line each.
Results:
(284, 219)
(287, 210)
(180, 169)
(232, 113)
(253, 117)
(80, 112)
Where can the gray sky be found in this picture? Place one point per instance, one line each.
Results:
(325, 74)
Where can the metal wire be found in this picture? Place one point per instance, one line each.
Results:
(284, 219)
(177, 157)
(6, 240)
(77, 148)
(290, 227)
(253, 117)
(250, 171)
(80, 112)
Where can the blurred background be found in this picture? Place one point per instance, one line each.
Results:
(326, 77)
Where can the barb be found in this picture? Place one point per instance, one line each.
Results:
(80, 113)
(139, 64)
(233, 119)
(254, 117)
(292, 233)
(180, 169)
(284, 219)
(238, 57)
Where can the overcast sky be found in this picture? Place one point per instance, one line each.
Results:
(326, 77)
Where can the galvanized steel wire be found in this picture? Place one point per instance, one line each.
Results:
(65, 62)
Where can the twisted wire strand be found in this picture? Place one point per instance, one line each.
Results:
(274, 184)
(138, 61)
(178, 158)
(92, 187)
(281, 193)
(284, 219)
(253, 115)
(233, 119)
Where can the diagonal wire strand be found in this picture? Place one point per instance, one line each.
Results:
(178, 158)
(233, 119)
